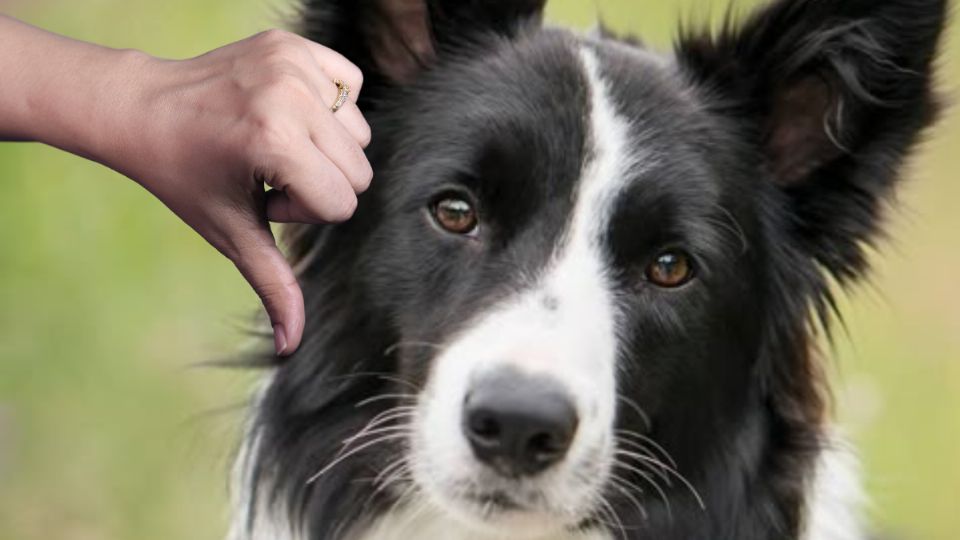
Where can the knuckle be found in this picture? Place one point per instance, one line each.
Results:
(280, 87)
(366, 135)
(279, 75)
(281, 56)
(363, 183)
(360, 162)
(293, 86)
(362, 174)
(286, 79)
(343, 207)
(368, 175)
(274, 36)
(268, 136)
(276, 62)
(346, 152)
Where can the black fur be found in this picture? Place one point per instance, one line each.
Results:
(779, 142)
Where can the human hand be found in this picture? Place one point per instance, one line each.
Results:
(204, 135)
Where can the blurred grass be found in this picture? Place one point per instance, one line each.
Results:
(106, 300)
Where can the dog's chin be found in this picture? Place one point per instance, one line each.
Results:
(495, 511)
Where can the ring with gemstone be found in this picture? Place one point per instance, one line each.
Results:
(342, 95)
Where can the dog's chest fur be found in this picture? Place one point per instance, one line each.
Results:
(415, 523)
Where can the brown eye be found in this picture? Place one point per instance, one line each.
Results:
(456, 215)
(670, 269)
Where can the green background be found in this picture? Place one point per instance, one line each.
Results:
(107, 302)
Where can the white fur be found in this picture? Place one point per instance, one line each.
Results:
(835, 498)
(269, 522)
(424, 523)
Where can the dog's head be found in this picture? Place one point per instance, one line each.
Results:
(589, 268)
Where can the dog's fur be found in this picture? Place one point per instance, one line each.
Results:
(766, 152)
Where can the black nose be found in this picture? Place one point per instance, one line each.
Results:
(518, 424)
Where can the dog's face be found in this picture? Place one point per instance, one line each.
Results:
(565, 247)
(592, 266)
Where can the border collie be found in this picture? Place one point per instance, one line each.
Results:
(581, 299)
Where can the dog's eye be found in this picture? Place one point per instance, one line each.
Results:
(456, 215)
(671, 269)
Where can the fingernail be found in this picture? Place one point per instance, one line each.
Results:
(280, 339)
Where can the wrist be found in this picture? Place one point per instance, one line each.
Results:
(101, 116)
(93, 101)
(116, 116)
(66, 93)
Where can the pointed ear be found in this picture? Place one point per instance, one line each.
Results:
(396, 40)
(836, 92)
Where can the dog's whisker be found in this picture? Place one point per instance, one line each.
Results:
(399, 463)
(341, 524)
(612, 513)
(393, 377)
(652, 463)
(388, 415)
(389, 412)
(354, 451)
(382, 482)
(404, 498)
(657, 446)
(377, 422)
(401, 474)
(382, 430)
(395, 419)
(626, 488)
(650, 480)
(399, 380)
(634, 406)
(673, 472)
(384, 397)
(393, 472)
(646, 464)
(602, 517)
(410, 344)
(643, 447)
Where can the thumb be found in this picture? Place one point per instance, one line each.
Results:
(266, 269)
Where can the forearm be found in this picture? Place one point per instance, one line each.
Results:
(203, 135)
(64, 92)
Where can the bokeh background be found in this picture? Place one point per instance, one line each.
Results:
(109, 431)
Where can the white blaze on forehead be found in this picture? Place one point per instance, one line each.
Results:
(613, 160)
(607, 170)
(562, 325)
(564, 322)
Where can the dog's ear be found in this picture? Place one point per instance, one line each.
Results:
(835, 93)
(393, 41)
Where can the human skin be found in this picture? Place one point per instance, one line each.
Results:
(204, 135)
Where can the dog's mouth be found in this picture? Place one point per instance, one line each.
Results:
(525, 514)
(496, 502)
(490, 502)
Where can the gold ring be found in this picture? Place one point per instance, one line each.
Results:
(342, 95)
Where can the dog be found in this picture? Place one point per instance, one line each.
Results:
(582, 298)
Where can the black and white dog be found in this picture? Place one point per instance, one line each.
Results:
(581, 299)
